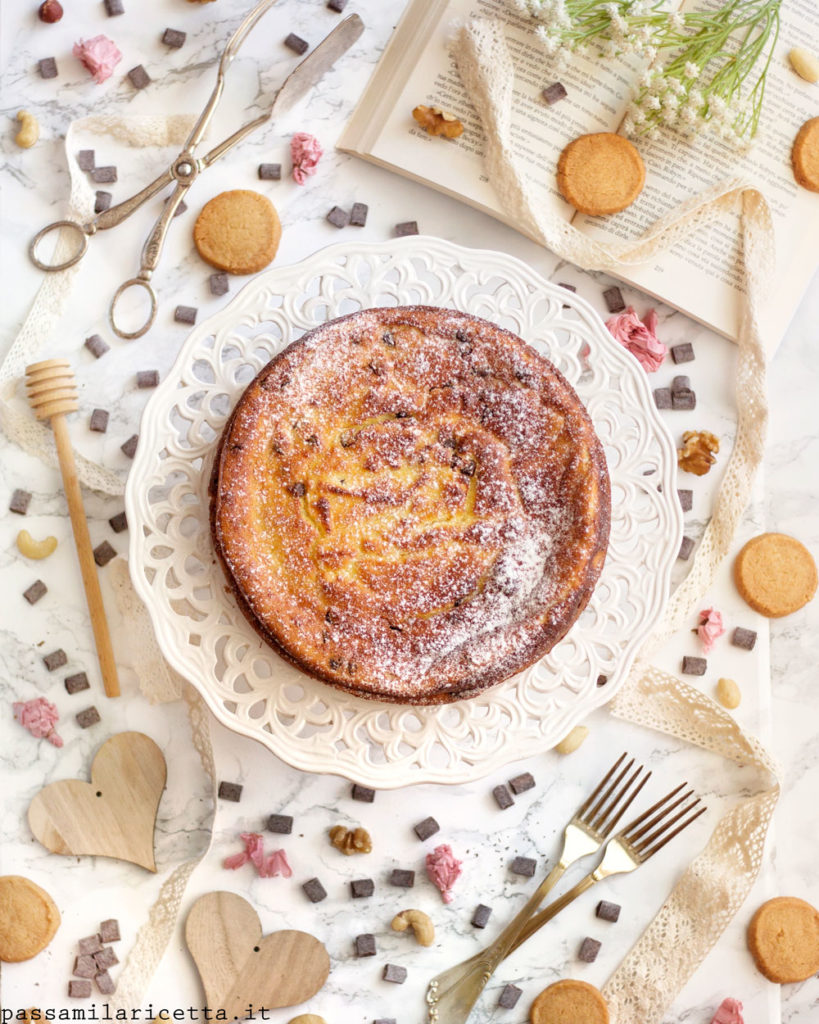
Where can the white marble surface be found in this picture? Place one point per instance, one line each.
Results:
(784, 712)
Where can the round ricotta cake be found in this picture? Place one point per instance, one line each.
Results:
(411, 504)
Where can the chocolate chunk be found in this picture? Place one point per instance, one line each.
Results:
(381, 1020)
(480, 917)
(90, 716)
(185, 314)
(589, 948)
(85, 966)
(280, 823)
(686, 499)
(33, 593)
(521, 783)
(98, 421)
(77, 682)
(230, 791)
(569, 288)
(314, 890)
(686, 547)
(173, 37)
(119, 522)
(90, 945)
(296, 44)
(694, 666)
(358, 214)
(104, 175)
(426, 828)
(181, 206)
(298, 490)
(525, 866)
(79, 989)
(47, 67)
(366, 796)
(509, 996)
(218, 284)
(270, 172)
(113, 8)
(96, 346)
(395, 974)
(106, 958)
(686, 400)
(338, 6)
(54, 661)
(20, 501)
(109, 930)
(105, 983)
(744, 638)
(681, 383)
(602, 680)
(662, 398)
(86, 160)
(338, 218)
(404, 879)
(683, 353)
(365, 945)
(613, 298)
(102, 202)
(103, 553)
(139, 77)
(608, 911)
(129, 447)
(362, 887)
(554, 93)
(503, 797)
(147, 378)
(407, 227)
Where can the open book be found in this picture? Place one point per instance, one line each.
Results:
(700, 276)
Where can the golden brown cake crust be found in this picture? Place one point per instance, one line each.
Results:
(411, 504)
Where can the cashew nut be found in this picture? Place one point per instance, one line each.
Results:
(308, 1018)
(29, 130)
(420, 923)
(32, 548)
(570, 743)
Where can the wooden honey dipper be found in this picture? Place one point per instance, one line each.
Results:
(53, 393)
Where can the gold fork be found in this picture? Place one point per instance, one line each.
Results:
(593, 822)
(625, 852)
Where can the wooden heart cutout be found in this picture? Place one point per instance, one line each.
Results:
(114, 814)
(239, 967)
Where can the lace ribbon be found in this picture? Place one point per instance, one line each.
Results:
(717, 882)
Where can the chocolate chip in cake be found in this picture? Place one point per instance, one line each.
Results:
(338, 218)
(86, 160)
(77, 682)
(218, 283)
(694, 666)
(554, 93)
(20, 500)
(509, 996)
(426, 828)
(85, 966)
(481, 915)
(103, 553)
(358, 215)
(314, 890)
(104, 175)
(296, 44)
(119, 522)
(589, 948)
(54, 661)
(521, 783)
(402, 878)
(662, 398)
(338, 6)
(686, 547)
(270, 172)
(744, 638)
(129, 447)
(608, 911)
(105, 983)
(102, 201)
(106, 958)
(139, 77)
(109, 930)
(90, 944)
(395, 974)
(362, 793)
(185, 314)
(683, 400)
(686, 498)
(90, 716)
(503, 798)
(683, 353)
(96, 346)
(99, 421)
(365, 945)
(298, 490)
(147, 378)
(362, 887)
(407, 227)
(230, 791)
(79, 989)
(47, 67)
(33, 593)
(282, 824)
(173, 37)
(113, 8)
(525, 866)
(613, 298)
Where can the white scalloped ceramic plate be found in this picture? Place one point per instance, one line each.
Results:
(313, 726)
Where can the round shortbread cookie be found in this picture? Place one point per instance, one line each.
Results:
(569, 1002)
(775, 574)
(805, 155)
(29, 918)
(238, 231)
(600, 173)
(783, 938)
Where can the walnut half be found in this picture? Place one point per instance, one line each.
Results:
(351, 840)
(697, 453)
(438, 122)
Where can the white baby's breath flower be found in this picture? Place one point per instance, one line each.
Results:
(629, 126)
(692, 70)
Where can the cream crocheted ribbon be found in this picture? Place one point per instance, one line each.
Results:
(716, 883)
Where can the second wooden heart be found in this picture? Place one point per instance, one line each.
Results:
(240, 967)
(114, 814)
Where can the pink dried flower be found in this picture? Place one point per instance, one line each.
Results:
(39, 716)
(276, 864)
(729, 1012)
(710, 627)
(98, 55)
(639, 337)
(305, 152)
(443, 869)
(267, 867)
